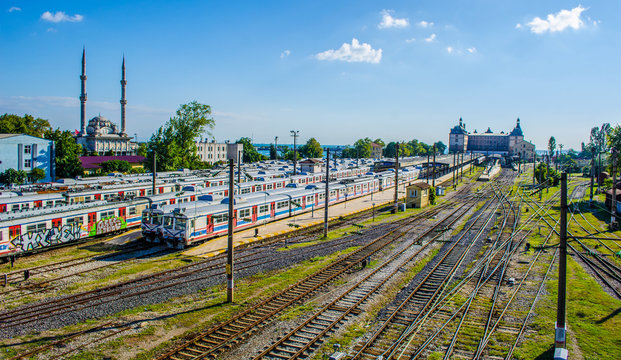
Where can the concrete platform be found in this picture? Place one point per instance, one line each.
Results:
(218, 245)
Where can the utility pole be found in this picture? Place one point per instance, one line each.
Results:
(155, 171)
(327, 195)
(276, 146)
(534, 163)
(613, 200)
(434, 167)
(295, 134)
(560, 348)
(454, 170)
(592, 179)
(397, 179)
(471, 158)
(426, 175)
(461, 166)
(238, 169)
(229, 247)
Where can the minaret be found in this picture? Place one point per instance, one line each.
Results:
(83, 95)
(123, 100)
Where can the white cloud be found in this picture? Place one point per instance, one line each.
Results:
(354, 52)
(557, 22)
(14, 8)
(410, 40)
(424, 24)
(390, 22)
(472, 50)
(51, 29)
(450, 49)
(60, 16)
(431, 38)
(284, 54)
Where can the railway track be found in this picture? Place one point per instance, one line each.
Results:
(225, 335)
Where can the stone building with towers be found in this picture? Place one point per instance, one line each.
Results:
(100, 135)
(508, 144)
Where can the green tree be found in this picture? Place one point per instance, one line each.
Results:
(432, 195)
(289, 154)
(27, 124)
(250, 152)
(440, 147)
(109, 153)
(312, 149)
(363, 148)
(13, 177)
(175, 142)
(68, 164)
(115, 166)
(390, 150)
(273, 152)
(142, 149)
(551, 147)
(36, 175)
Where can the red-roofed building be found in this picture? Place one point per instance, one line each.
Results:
(91, 164)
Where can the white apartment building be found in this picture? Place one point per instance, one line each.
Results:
(211, 152)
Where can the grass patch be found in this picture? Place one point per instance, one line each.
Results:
(590, 316)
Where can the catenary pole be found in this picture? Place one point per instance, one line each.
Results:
(229, 247)
(396, 178)
(613, 199)
(327, 195)
(433, 183)
(154, 173)
(560, 348)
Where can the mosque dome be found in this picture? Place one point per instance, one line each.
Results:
(99, 125)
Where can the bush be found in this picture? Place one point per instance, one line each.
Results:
(432, 195)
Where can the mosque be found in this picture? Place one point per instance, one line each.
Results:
(101, 135)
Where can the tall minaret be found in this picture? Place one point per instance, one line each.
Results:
(123, 100)
(83, 95)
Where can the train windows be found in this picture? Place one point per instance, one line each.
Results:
(180, 223)
(75, 220)
(282, 204)
(244, 213)
(263, 209)
(15, 207)
(132, 210)
(25, 206)
(35, 227)
(157, 219)
(146, 218)
(245, 190)
(106, 214)
(278, 185)
(269, 186)
(220, 218)
(168, 222)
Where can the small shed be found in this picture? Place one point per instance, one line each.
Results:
(417, 195)
(310, 165)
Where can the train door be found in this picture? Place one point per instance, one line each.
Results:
(2, 208)
(254, 214)
(57, 223)
(97, 196)
(121, 193)
(92, 218)
(303, 202)
(142, 192)
(316, 199)
(209, 224)
(14, 231)
(192, 198)
(172, 201)
(234, 219)
(123, 212)
(272, 210)
(264, 187)
(160, 190)
(38, 203)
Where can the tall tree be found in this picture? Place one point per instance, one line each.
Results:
(27, 124)
(312, 149)
(175, 142)
(273, 152)
(250, 153)
(363, 148)
(440, 147)
(379, 142)
(68, 153)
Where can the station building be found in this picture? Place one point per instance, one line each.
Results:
(510, 144)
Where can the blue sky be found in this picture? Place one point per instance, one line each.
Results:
(334, 70)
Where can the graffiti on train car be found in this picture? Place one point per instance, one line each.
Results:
(48, 237)
(107, 225)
